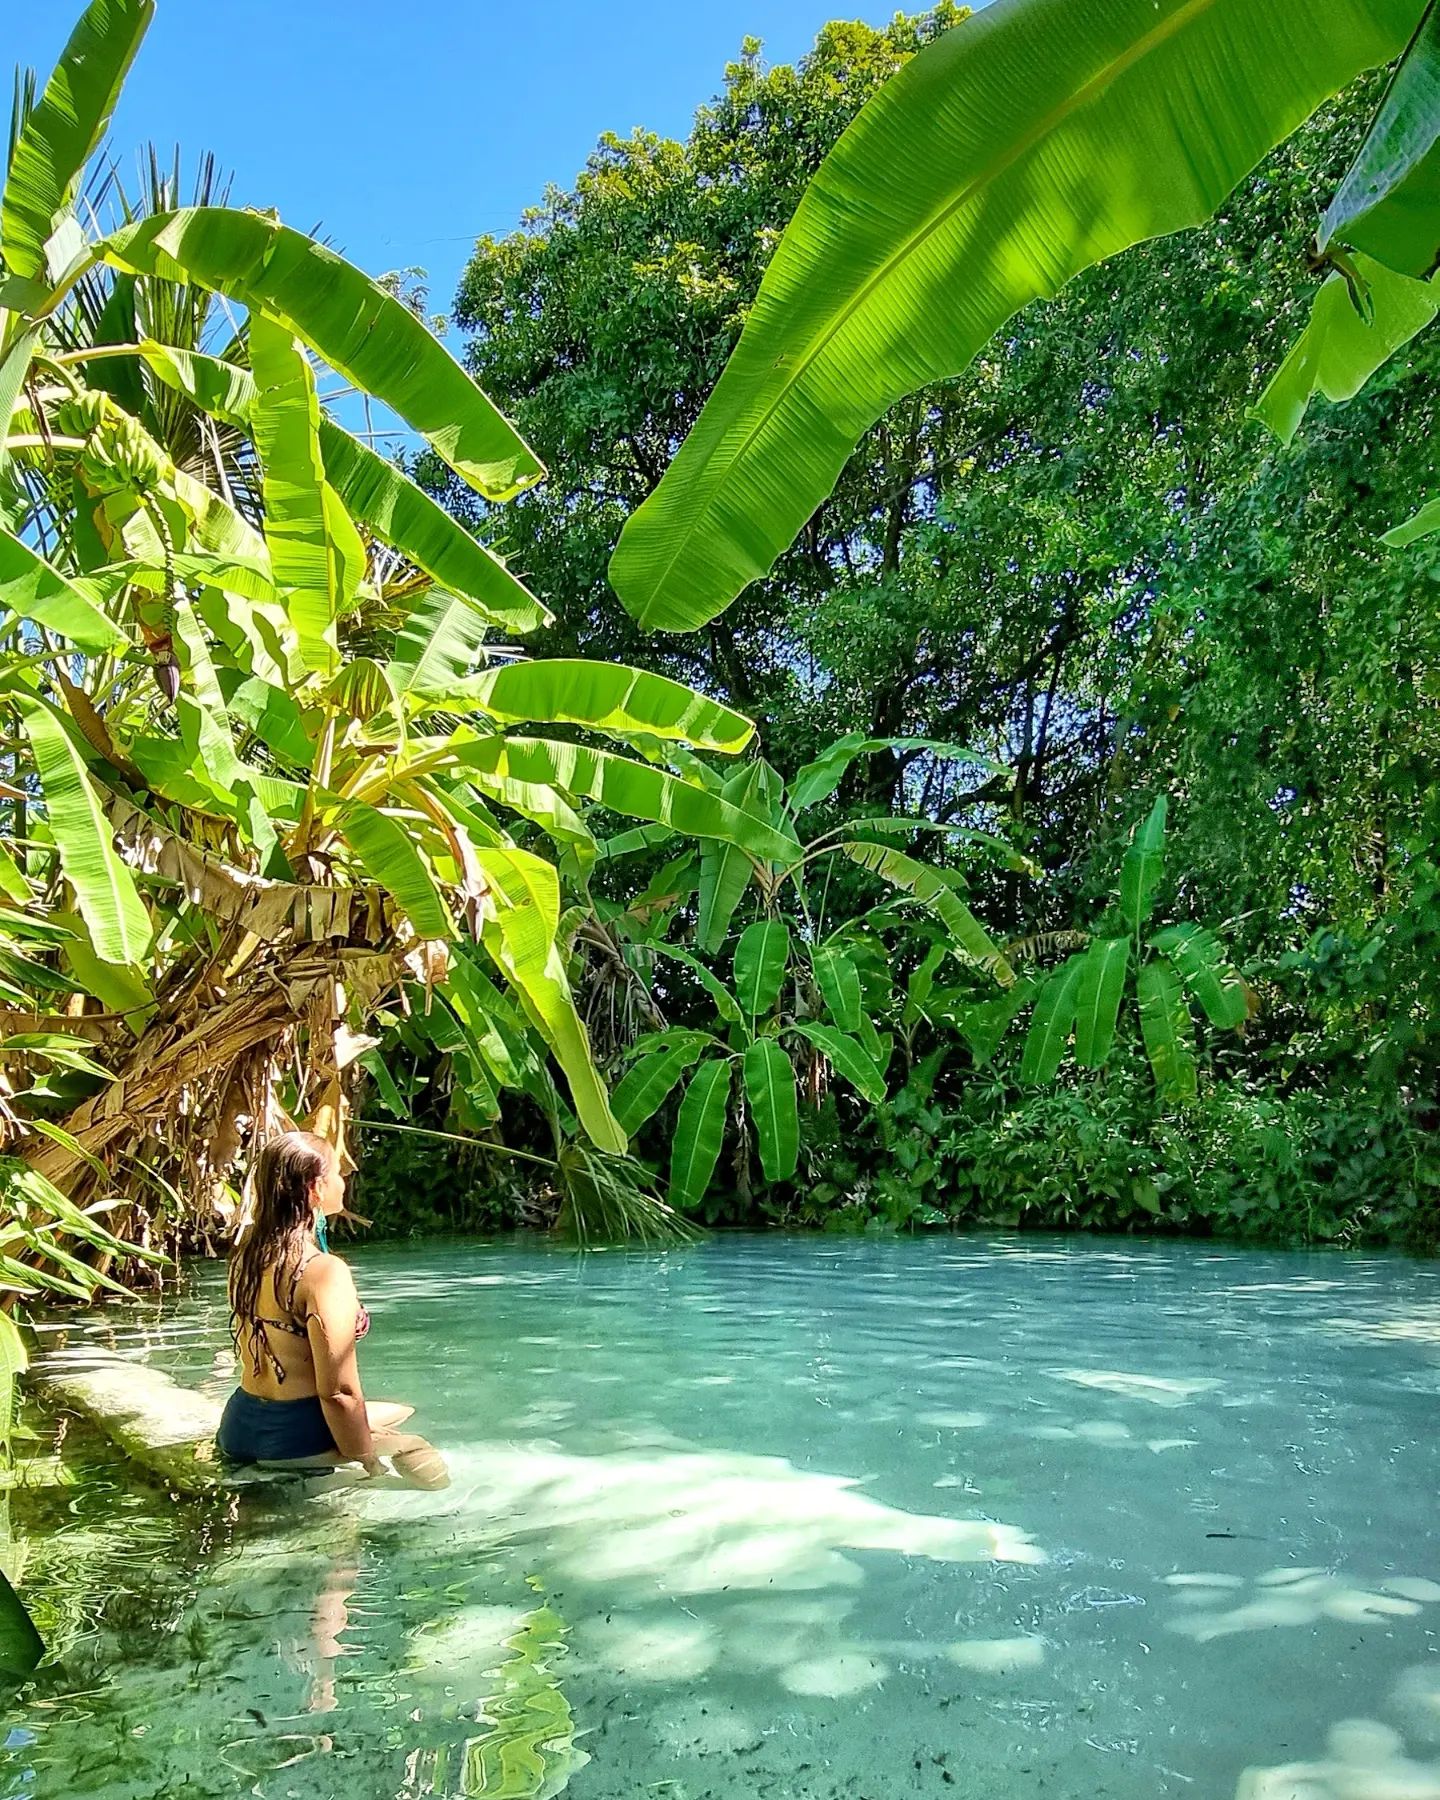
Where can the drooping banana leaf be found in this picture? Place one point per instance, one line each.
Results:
(372, 490)
(725, 869)
(1143, 867)
(306, 536)
(644, 1089)
(1097, 999)
(519, 932)
(839, 983)
(387, 852)
(1051, 1025)
(1168, 1031)
(364, 333)
(726, 1004)
(770, 1096)
(31, 589)
(1388, 205)
(608, 697)
(1198, 958)
(1027, 143)
(64, 128)
(983, 1026)
(851, 1059)
(637, 790)
(699, 1134)
(761, 958)
(105, 889)
(1341, 347)
(969, 937)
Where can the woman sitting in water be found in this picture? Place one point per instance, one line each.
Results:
(297, 1323)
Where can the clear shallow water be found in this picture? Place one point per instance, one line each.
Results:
(787, 1517)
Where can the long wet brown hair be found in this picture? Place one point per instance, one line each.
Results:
(282, 1210)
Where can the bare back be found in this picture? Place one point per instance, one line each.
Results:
(321, 1316)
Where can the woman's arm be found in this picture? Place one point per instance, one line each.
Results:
(330, 1316)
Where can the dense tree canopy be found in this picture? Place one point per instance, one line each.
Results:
(1085, 557)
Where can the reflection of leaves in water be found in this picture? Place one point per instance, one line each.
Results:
(529, 1753)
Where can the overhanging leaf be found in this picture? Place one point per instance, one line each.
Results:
(852, 1060)
(364, 333)
(1388, 205)
(645, 1088)
(1017, 149)
(31, 589)
(1340, 348)
(1198, 958)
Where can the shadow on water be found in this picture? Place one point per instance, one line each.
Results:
(1114, 1519)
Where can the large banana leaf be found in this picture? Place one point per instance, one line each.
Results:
(644, 1089)
(725, 871)
(1031, 141)
(361, 331)
(1052, 1023)
(1168, 1031)
(699, 1133)
(1097, 999)
(761, 958)
(371, 489)
(519, 931)
(1341, 347)
(1199, 959)
(1389, 202)
(104, 888)
(1143, 867)
(839, 983)
(440, 642)
(31, 589)
(935, 894)
(388, 854)
(65, 127)
(851, 1059)
(770, 1095)
(307, 561)
(638, 790)
(607, 697)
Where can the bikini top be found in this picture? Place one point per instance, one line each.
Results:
(294, 1328)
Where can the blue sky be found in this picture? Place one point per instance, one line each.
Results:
(405, 131)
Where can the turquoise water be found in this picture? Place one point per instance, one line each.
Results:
(787, 1518)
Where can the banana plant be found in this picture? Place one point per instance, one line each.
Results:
(1019, 148)
(744, 1073)
(268, 767)
(1078, 1005)
(721, 873)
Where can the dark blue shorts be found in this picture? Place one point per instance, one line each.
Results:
(256, 1430)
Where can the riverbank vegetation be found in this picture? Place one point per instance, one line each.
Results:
(1082, 870)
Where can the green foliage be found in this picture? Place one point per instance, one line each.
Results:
(947, 206)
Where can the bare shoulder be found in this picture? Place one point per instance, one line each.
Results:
(327, 1278)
